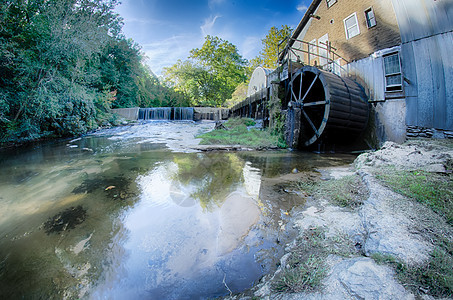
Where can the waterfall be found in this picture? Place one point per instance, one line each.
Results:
(155, 113)
(166, 113)
(183, 113)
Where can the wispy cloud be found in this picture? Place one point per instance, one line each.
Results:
(250, 47)
(145, 21)
(302, 8)
(208, 26)
(213, 3)
(166, 52)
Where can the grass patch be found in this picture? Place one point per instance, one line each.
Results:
(236, 132)
(434, 278)
(347, 191)
(306, 266)
(431, 189)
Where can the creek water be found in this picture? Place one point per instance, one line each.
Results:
(135, 212)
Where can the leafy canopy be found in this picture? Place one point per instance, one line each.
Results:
(64, 64)
(211, 73)
(269, 54)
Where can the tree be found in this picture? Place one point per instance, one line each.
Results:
(225, 65)
(211, 73)
(239, 94)
(64, 64)
(268, 56)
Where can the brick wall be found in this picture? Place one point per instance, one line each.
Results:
(384, 35)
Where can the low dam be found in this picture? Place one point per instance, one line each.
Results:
(174, 113)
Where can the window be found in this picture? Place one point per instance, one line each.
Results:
(370, 19)
(331, 2)
(351, 26)
(392, 71)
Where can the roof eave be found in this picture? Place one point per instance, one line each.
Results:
(310, 10)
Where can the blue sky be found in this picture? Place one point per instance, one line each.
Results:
(168, 29)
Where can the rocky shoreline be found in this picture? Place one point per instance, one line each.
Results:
(386, 224)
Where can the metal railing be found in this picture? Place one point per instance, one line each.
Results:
(306, 53)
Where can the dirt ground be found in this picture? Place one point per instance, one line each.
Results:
(386, 224)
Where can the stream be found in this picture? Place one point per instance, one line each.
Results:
(134, 212)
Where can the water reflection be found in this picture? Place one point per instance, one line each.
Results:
(199, 212)
(130, 219)
(213, 176)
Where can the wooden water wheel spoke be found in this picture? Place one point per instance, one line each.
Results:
(315, 103)
(294, 95)
(300, 85)
(309, 88)
(310, 122)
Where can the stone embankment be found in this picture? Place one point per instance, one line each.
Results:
(386, 223)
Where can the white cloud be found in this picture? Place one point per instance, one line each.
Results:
(207, 27)
(302, 8)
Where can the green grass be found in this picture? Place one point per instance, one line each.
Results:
(431, 189)
(434, 277)
(237, 133)
(306, 266)
(347, 191)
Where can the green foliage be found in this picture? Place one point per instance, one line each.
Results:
(239, 94)
(59, 59)
(210, 75)
(347, 191)
(432, 189)
(194, 81)
(306, 276)
(278, 127)
(268, 56)
(305, 267)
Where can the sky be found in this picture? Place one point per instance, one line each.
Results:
(168, 29)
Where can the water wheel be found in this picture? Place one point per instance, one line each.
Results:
(323, 105)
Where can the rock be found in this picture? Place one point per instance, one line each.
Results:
(335, 219)
(387, 225)
(436, 168)
(362, 278)
(354, 278)
(219, 125)
(448, 134)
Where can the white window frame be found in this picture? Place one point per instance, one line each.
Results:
(393, 87)
(370, 21)
(331, 2)
(346, 29)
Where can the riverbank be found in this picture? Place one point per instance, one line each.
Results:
(378, 229)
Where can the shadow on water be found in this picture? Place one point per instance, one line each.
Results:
(116, 215)
(66, 220)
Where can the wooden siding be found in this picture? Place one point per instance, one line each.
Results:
(418, 19)
(428, 65)
(426, 29)
(369, 72)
